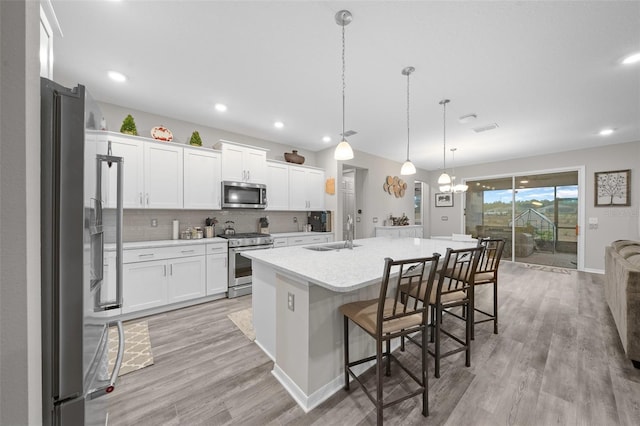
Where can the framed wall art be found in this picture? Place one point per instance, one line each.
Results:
(613, 189)
(444, 199)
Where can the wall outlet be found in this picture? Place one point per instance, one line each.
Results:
(444, 218)
(375, 220)
(291, 302)
(154, 223)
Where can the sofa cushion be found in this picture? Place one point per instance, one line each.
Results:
(619, 244)
(629, 250)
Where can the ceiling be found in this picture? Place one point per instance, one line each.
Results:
(549, 74)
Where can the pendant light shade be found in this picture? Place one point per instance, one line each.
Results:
(444, 180)
(408, 168)
(343, 150)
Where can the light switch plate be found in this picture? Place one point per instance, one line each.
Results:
(154, 223)
(291, 302)
(593, 221)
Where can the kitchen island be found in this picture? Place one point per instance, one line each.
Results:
(296, 295)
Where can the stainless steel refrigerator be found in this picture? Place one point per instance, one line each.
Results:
(75, 300)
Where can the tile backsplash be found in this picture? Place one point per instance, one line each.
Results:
(137, 222)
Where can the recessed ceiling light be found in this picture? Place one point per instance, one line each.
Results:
(278, 124)
(220, 107)
(631, 59)
(524, 181)
(606, 132)
(326, 139)
(116, 76)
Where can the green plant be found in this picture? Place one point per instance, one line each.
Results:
(129, 126)
(195, 139)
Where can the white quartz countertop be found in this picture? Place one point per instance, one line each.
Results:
(298, 234)
(164, 243)
(347, 270)
(399, 226)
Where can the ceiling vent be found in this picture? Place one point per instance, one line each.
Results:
(349, 133)
(485, 128)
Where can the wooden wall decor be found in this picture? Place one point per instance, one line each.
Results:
(393, 185)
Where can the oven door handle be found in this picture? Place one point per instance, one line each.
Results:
(241, 249)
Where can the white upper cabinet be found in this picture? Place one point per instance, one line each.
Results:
(306, 188)
(132, 151)
(152, 172)
(163, 175)
(315, 189)
(277, 186)
(202, 178)
(243, 164)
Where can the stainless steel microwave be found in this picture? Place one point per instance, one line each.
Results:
(243, 195)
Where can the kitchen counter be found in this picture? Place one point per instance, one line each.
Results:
(298, 234)
(163, 243)
(347, 270)
(296, 295)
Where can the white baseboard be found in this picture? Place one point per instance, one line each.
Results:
(594, 271)
(267, 353)
(309, 402)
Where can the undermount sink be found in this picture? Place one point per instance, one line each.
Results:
(329, 247)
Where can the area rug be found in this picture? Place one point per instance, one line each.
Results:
(549, 269)
(244, 321)
(137, 347)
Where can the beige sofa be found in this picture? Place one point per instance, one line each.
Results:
(622, 291)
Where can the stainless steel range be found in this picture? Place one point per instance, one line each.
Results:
(239, 266)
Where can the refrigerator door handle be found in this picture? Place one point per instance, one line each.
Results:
(119, 162)
(103, 390)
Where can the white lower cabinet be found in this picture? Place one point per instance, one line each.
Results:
(280, 242)
(309, 239)
(217, 269)
(411, 231)
(161, 276)
(145, 285)
(186, 278)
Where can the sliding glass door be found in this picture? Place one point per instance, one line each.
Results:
(536, 214)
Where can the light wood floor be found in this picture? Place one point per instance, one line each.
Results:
(557, 360)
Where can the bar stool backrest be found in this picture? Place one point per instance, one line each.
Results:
(490, 259)
(417, 274)
(458, 270)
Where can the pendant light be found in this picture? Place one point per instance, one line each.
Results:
(444, 180)
(408, 168)
(343, 150)
(460, 187)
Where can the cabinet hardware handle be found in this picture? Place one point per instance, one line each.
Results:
(164, 268)
(248, 174)
(140, 195)
(187, 251)
(147, 198)
(171, 269)
(145, 254)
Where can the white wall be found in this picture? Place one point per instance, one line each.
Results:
(182, 130)
(377, 203)
(613, 222)
(20, 361)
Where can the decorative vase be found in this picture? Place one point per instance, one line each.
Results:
(293, 157)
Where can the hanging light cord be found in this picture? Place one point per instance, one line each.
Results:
(444, 136)
(408, 127)
(343, 83)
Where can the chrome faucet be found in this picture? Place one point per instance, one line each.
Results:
(348, 243)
